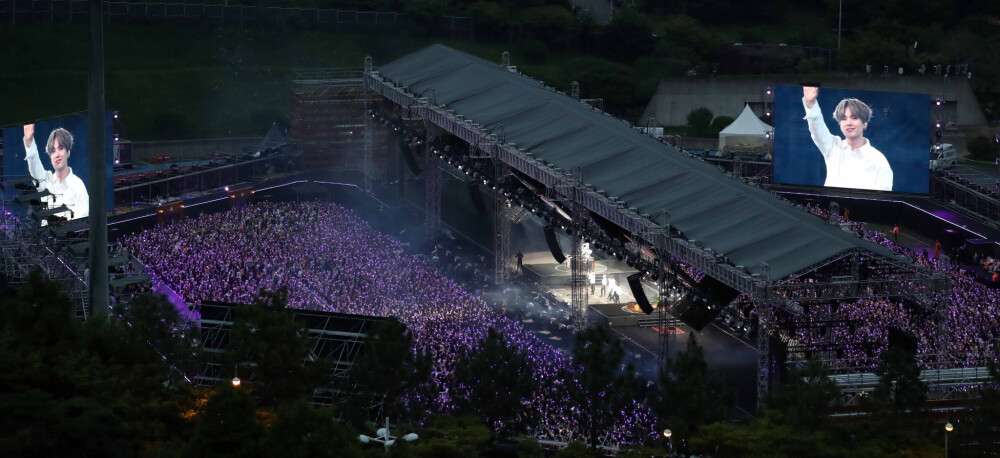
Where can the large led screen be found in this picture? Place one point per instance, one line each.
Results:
(853, 139)
(56, 154)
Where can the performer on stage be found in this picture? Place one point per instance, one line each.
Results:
(851, 162)
(65, 187)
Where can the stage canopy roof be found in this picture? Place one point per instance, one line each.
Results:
(747, 224)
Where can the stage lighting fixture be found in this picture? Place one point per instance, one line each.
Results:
(938, 102)
(114, 114)
(768, 90)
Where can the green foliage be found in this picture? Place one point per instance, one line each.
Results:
(489, 18)
(528, 447)
(499, 380)
(426, 11)
(699, 122)
(812, 65)
(899, 386)
(809, 397)
(628, 36)
(227, 426)
(387, 369)
(982, 148)
(870, 49)
(688, 395)
(684, 37)
(452, 436)
(302, 430)
(719, 123)
(266, 342)
(152, 321)
(764, 438)
(69, 388)
(550, 24)
(574, 450)
(610, 81)
(600, 390)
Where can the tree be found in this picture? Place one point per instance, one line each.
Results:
(268, 343)
(899, 385)
(809, 397)
(870, 49)
(689, 396)
(719, 123)
(387, 369)
(602, 387)
(452, 436)
(227, 426)
(549, 23)
(301, 430)
(498, 380)
(74, 388)
(628, 36)
(152, 320)
(699, 122)
(982, 148)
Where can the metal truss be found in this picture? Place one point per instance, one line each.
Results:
(60, 251)
(432, 193)
(337, 337)
(764, 315)
(894, 277)
(840, 278)
(502, 218)
(596, 201)
(368, 162)
(970, 198)
(579, 296)
(943, 384)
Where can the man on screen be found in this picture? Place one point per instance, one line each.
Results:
(851, 162)
(65, 187)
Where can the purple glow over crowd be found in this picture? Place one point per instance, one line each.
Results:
(331, 260)
(968, 336)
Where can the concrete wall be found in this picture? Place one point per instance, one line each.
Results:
(676, 97)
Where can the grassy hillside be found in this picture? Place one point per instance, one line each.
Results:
(200, 81)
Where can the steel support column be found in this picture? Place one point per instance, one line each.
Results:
(580, 297)
(501, 228)
(368, 162)
(661, 322)
(763, 305)
(432, 193)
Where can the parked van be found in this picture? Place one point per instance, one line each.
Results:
(943, 156)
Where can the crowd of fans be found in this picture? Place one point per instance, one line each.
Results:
(961, 329)
(331, 260)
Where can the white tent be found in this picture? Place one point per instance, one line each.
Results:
(747, 129)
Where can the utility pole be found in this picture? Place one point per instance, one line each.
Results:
(98, 288)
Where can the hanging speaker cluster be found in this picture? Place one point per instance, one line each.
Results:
(550, 238)
(635, 284)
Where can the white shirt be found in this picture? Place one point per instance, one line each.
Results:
(862, 168)
(70, 190)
